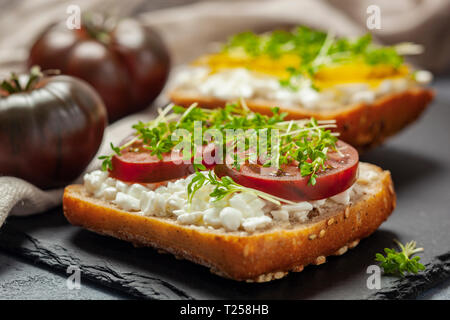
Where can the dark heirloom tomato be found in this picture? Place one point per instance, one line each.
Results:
(127, 65)
(50, 133)
(288, 183)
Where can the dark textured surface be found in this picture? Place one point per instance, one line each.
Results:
(438, 292)
(119, 265)
(20, 279)
(411, 286)
(59, 258)
(419, 159)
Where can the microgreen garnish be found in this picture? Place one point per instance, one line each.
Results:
(303, 141)
(224, 187)
(107, 159)
(149, 133)
(315, 49)
(398, 263)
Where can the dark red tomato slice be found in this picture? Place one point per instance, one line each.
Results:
(288, 183)
(138, 165)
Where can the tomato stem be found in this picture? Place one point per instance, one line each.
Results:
(98, 26)
(13, 85)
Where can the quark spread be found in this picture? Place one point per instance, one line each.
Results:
(239, 82)
(240, 212)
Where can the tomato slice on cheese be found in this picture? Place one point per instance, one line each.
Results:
(287, 182)
(136, 164)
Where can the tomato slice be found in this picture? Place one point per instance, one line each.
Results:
(136, 164)
(288, 183)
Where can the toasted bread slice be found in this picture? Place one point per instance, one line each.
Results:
(258, 256)
(362, 125)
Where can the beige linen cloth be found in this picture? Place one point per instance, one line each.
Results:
(193, 28)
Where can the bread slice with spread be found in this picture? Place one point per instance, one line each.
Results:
(369, 90)
(253, 220)
(259, 252)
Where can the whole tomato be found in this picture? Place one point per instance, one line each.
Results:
(125, 61)
(50, 128)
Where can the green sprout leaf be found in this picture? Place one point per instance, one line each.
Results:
(399, 263)
(304, 141)
(224, 187)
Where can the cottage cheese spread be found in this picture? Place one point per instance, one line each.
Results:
(238, 83)
(242, 211)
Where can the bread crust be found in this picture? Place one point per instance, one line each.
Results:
(362, 125)
(260, 256)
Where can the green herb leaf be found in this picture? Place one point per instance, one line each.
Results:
(306, 142)
(224, 187)
(399, 263)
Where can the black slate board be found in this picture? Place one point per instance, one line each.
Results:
(20, 279)
(419, 159)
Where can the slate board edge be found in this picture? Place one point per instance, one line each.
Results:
(411, 286)
(59, 259)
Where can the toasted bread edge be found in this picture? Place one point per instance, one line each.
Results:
(261, 256)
